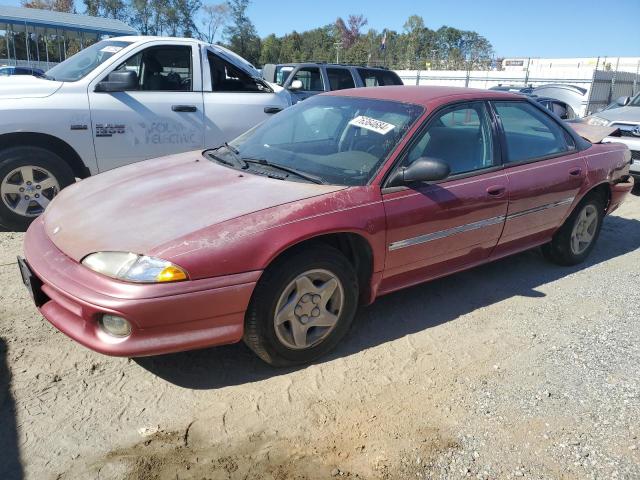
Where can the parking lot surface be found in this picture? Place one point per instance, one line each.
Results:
(515, 369)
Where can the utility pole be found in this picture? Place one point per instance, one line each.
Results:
(338, 46)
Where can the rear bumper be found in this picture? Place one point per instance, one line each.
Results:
(618, 193)
(164, 318)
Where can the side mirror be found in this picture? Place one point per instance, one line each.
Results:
(296, 85)
(119, 82)
(623, 101)
(424, 169)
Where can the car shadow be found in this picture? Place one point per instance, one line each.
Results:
(10, 466)
(402, 313)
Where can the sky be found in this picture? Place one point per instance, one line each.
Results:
(536, 28)
(539, 28)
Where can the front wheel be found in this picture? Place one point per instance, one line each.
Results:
(29, 179)
(575, 239)
(302, 306)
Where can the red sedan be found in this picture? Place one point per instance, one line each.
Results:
(279, 236)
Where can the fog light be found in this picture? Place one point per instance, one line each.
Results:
(116, 326)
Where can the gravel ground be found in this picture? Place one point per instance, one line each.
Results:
(515, 369)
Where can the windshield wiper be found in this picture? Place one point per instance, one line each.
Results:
(236, 156)
(306, 176)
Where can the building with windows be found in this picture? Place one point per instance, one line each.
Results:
(42, 38)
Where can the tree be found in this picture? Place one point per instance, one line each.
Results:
(142, 16)
(241, 33)
(351, 31)
(214, 17)
(55, 5)
(270, 49)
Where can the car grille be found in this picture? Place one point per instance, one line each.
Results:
(627, 133)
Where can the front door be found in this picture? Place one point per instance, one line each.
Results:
(234, 101)
(435, 229)
(163, 116)
(545, 173)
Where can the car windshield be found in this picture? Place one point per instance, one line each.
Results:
(330, 139)
(83, 62)
(635, 102)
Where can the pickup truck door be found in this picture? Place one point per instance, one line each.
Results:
(235, 97)
(163, 116)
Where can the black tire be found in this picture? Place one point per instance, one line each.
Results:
(559, 250)
(260, 330)
(22, 156)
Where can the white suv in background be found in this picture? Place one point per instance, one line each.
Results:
(117, 102)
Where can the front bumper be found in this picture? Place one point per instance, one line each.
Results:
(165, 318)
(634, 145)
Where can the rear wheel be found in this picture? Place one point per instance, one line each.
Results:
(575, 239)
(302, 306)
(29, 179)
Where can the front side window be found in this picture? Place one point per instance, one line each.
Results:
(460, 136)
(164, 68)
(529, 133)
(82, 63)
(340, 78)
(341, 140)
(226, 77)
(311, 79)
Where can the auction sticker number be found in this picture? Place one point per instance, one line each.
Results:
(372, 124)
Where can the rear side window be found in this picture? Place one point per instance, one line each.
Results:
(311, 79)
(378, 78)
(529, 133)
(340, 78)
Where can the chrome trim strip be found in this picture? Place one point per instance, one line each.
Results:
(429, 237)
(541, 208)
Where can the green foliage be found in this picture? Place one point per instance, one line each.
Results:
(241, 34)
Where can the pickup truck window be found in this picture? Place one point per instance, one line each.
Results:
(340, 78)
(227, 78)
(84, 62)
(163, 68)
(311, 79)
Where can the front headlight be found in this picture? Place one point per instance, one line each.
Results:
(134, 268)
(597, 121)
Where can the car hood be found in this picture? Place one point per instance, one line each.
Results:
(27, 86)
(622, 115)
(140, 207)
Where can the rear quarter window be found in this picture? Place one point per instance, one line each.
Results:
(378, 78)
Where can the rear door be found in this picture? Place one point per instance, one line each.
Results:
(235, 98)
(544, 169)
(434, 229)
(162, 116)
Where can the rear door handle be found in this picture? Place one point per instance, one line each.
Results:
(272, 109)
(184, 108)
(575, 172)
(496, 190)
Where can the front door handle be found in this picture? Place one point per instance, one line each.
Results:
(184, 108)
(272, 109)
(575, 172)
(496, 190)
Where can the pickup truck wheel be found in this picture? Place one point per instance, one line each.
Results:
(29, 179)
(302, 306)
(575, 239)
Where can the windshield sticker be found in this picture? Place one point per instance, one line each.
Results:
(111, 49)
(372, 124)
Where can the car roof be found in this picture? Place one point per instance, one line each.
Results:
(324, 64)
(423, 95)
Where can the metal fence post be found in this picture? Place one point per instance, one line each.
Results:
(418, 77)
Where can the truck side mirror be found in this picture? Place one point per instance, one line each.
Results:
(424, 169)
(118, 82)
(296, 85)
(623, 101)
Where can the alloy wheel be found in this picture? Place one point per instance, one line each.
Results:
(27, 190)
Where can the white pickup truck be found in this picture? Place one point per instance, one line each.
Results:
(120, 101)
